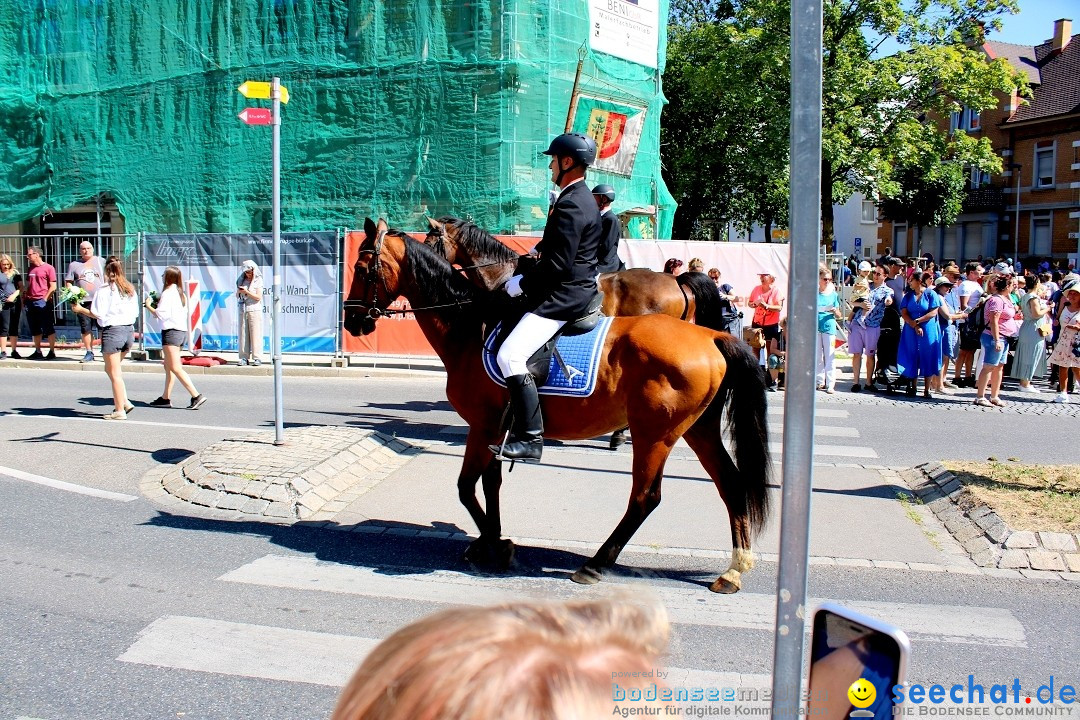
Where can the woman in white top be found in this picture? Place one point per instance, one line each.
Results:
(116, 308)
(172, 311)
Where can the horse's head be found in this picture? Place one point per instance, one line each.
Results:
(438, 239)
(375, 282)
(482, 258)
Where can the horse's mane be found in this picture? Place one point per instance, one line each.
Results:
(478, 242)
(441, 283)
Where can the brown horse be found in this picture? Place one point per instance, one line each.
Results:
(664, 378)
(628, 293)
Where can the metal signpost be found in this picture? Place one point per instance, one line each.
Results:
(278, 94)
(806, 33)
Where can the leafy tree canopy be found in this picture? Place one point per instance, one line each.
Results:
(725, 134)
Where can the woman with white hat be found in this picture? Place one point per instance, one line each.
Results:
(249, 294)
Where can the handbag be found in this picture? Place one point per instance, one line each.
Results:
(1044, 329)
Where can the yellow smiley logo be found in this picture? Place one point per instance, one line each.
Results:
(861, 693)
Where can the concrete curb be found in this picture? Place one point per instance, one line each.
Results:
(358, 368)
(986, 537)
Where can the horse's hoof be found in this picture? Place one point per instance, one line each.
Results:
(478, 552)
(494, 556)
(617, 440)
(503, 552)
(587, 576)
(724, 587)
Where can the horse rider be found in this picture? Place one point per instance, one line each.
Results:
(557, 289)
(607, 257)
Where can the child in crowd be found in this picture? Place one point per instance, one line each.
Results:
(860, 291)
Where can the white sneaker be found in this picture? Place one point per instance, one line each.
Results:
(1030, 389)
(1062, 398)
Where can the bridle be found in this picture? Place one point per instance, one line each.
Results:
(373, 274)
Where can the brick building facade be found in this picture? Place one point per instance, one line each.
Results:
(1039, 143)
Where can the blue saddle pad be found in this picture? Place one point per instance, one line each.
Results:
(580, 353)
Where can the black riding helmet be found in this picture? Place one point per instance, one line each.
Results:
(605, 190)
(580, 148)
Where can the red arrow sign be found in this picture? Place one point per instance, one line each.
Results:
(256, 116)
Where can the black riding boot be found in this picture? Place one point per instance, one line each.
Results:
(526, 441)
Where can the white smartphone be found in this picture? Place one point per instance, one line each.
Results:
(855, 661)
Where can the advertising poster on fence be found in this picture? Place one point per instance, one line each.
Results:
(210, 264)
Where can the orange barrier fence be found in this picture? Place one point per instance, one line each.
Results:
(400, 334)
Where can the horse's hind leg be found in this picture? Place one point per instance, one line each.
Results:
(705, 439)
(649, 462)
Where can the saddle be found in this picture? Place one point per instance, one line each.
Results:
(539, 363)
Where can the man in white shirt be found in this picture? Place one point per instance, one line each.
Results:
(89, 272)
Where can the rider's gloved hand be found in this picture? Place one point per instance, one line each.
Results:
(513, 286)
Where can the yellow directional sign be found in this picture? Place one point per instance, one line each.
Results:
(261, 91)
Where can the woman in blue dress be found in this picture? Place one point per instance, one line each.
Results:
(920, 337)
(950, 332)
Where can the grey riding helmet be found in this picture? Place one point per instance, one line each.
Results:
(605, 190)
(581, 148)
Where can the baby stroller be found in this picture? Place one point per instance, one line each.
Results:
(886, 374)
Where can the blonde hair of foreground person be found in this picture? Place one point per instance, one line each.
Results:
(521, 661)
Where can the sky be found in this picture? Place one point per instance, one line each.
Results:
(1033, 25)
(1035, 22)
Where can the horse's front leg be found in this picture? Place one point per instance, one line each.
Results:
(478, 461)
(502, 550)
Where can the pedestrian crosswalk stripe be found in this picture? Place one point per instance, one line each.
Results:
(818, 412)
(836, 431)
(258, 651)
(686, 605)
(838, 450)
(276, 653)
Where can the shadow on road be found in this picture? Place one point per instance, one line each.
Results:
(395, 548)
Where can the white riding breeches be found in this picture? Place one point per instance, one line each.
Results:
(529, 336)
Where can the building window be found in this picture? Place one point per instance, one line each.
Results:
(966, 119)
(1044, 165)
(971, 119)
(977, 178)
(899, 244)
(869, 211)
(1041, 239)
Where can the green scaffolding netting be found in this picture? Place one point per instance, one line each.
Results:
(398, 108)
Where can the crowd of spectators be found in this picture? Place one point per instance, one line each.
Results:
(987, 323)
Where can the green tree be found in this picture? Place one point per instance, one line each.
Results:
(725, 132)
(925, 196)
(878, 114)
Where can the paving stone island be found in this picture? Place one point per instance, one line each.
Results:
(985, 536)
(315, 475)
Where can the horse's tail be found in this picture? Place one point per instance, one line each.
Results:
(743, 392)
(709, 310)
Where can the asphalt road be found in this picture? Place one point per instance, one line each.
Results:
(113, 609)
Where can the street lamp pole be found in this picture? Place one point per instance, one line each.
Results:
(1016, 167)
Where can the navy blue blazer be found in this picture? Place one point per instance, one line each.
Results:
(607, 257)
(563, 282)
